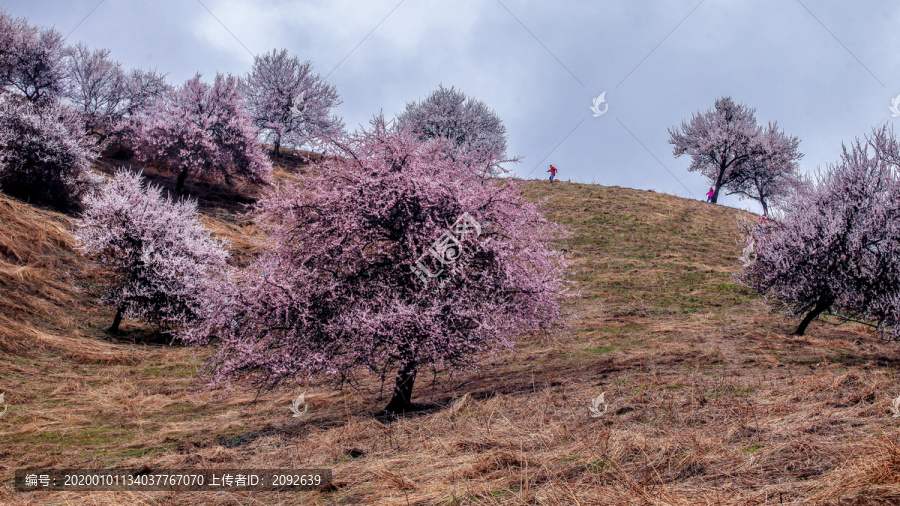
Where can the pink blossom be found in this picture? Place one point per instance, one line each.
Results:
(836, 245)
(103, 93)
(475, 130)
(31, 59)
(728, 147)
(164, 261)
(770, 175)
(202, 128)
(44, 157)
(288, 102)
(335, 289)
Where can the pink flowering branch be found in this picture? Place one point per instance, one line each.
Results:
(335, 289)
(202, 128)
(164, 261)
(837, 245)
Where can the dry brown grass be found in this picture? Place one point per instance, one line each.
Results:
(710, 400)
(44, 286)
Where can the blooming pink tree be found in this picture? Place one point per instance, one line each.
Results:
(720, 141)
(44, 157)
(96, 86)
(162, 257)
(884, 144)
(105, 95)
(474, 129)
(143, 89)
(31, 59)
(837, 245)
(393, 258)
(288, 102)
(772, 173)
(202, 128)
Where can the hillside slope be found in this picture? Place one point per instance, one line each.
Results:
(46, 287)
(710, 400)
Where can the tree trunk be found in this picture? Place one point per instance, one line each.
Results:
(722, 168)
(812, 315)
(277, 148)
(179, 184)
(765, 207)
(403, 387)
(716, 188)
(114, 328)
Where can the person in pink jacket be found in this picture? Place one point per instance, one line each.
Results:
(552, 172)
(709, 194)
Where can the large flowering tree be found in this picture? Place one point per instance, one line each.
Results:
(202, 128)
(288, 102)
(44, 157)
(773, 173)
(474, 129)
(103, 93)
(837, 244)
(720, 141)
(162, 258)
(392, 256)
(31, 59)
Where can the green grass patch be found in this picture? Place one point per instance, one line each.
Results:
(599, 465)
(721, 391)
(599, 351)
(91, 437)
(623, 329)
(752, 448)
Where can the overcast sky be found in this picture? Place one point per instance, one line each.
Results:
(826, 70)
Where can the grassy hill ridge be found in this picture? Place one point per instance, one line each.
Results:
(709, 399)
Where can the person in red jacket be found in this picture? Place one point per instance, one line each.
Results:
(552, 172)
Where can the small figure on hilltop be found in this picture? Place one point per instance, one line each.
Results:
(709, 194)
(552, 172)
(738, 155)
